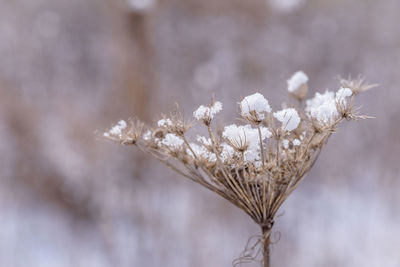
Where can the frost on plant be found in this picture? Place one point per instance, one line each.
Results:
(297, 85)
(171, 141)
(322, 108)
(256, 164)
(207, 113)
(254, 107)
(289, 118)
(116, 130)
(342, 95)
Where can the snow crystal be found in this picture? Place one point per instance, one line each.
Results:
(296, 142)
(289, 117)
(117, 129)
(342, 94)
(256, 103)
(296, 81)
(172, 141)
(206, 113)
(322, 108)
(164, 123)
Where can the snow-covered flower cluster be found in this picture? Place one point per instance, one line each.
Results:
(297, 85)
(227, 152)
(254, 107)
(207, 113)
(326, 108)
(253, 141)
(255, 164)
(202, 152)
(246, 139)
(116, 130)
(322, 108)
(172, 141)
(342, 96)
(289, 117)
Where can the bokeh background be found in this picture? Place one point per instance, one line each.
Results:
(71, 68)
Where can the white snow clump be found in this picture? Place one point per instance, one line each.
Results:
(164, 123)
(296, 81)
(207, 113)
(255, 103)
(289, 117)
(116, 130)
(246, 136)
(342, 94)
(322, 108)
(172, 141)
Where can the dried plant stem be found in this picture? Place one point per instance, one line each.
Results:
(266, 231)
(264, 207)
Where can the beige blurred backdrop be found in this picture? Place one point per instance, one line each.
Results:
(71, 68)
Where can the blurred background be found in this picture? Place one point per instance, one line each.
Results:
(71, 68)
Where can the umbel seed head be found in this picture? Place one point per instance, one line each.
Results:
(254, 108)
(297, 85)
(255, 165)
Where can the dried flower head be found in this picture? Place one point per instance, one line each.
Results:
(322, 108)
(297, 85)
(289, 118)
(357, 85)
(254, 107)
(207, 113)
(125, 133)
(252, 166)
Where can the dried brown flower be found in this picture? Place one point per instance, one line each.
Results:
(254, 167)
